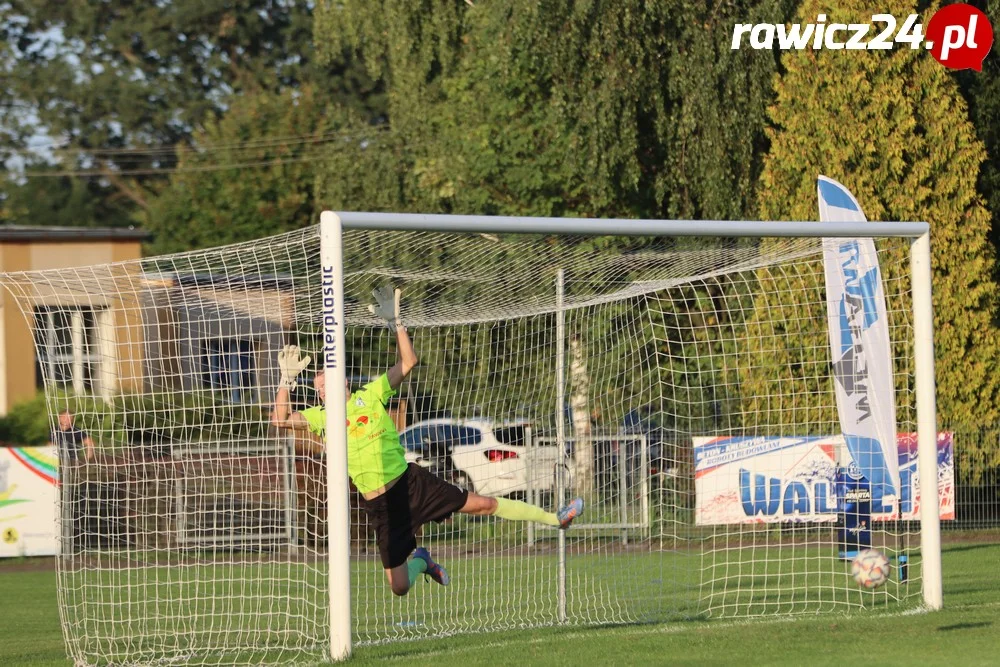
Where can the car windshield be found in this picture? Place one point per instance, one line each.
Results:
(413, 439)
(511, 435)
(462, 435)
(416, 438)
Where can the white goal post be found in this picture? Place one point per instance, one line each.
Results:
(559, 357)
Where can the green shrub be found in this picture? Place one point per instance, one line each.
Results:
(26, 423)
(158, 420)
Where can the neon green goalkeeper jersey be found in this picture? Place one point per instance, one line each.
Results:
(374, 455)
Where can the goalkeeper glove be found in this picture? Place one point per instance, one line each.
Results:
(291, 364)
(386, 306)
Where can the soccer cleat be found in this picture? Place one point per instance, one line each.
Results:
(570, 512)
(434, 570)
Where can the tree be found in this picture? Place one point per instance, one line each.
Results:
(982, 93)
(267, 190)
(604, 108)
(905, 147)
(624, 109)
(579, 403)
(118, 84)
(61, 202)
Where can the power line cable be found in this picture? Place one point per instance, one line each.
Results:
(311, 152)
(207, 148)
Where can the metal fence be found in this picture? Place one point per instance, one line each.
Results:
(977, 477)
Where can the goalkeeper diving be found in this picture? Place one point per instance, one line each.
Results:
(397, 497)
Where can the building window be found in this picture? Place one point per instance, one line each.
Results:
(228, 366)
(68, 350)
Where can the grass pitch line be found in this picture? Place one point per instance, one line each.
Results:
(664, 629)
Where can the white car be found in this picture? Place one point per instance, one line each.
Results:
(490, 458)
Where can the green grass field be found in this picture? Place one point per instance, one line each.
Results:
(966, 632)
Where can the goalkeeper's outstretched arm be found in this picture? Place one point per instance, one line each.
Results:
(291, 363)
(406, 358)
(387, 307)
(282, 415)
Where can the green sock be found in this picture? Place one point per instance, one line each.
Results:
(414, 568)
(515, 510)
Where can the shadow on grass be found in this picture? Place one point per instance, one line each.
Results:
(965, 626)
(967, 547)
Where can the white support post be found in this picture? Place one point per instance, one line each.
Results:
(107, 346)
(50, 345)
(529, 483)
(623, 461)
(561, 433)
(286, 450)
(923, 327)
(338, 498)
(76, 338)
(645, 518)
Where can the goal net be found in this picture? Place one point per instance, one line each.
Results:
(682, 386)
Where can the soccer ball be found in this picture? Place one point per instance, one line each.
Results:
(870, 568)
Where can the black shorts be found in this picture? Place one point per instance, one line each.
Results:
(397, 515)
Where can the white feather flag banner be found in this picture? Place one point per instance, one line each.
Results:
(859, 343)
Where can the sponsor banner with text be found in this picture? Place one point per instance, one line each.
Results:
(767, 479)
(859, 343)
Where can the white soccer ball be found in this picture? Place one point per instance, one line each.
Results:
(870, 568)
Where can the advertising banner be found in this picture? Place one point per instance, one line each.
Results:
(768, 479)
(859, 342)
(765, 479)
(28, 486)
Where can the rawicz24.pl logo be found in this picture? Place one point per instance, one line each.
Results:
(958, 36)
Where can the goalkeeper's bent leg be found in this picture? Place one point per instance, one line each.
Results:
(414, 568)
(401, 578)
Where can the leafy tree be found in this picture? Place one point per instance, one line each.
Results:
(623, 109)
(982, 93)
(62, 202)
(117, 84)
(599, 108)
(256, 183)
(905, 147)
